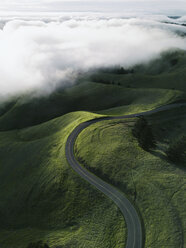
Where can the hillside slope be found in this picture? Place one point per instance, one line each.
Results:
(155, 185)
(41, 198)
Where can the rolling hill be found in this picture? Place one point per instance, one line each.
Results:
(42, 198)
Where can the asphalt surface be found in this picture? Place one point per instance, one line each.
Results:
(135, 235)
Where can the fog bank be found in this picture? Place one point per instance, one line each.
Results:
(40, 54)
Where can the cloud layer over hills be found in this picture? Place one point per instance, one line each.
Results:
(40, 54)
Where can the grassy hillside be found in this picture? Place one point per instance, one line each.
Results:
(166, 72)
(86, 96)
(144, 87)
(41, 198)
(156, 186)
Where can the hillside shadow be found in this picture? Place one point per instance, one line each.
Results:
(159, 154)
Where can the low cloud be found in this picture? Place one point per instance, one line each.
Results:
(40, 55)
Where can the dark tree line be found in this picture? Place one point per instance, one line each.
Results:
(122, 71)
(117, 70)
(142, 131)
(39, 244)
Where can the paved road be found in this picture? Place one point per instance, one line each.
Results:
(134, 237)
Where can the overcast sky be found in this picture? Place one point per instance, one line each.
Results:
(176, 7)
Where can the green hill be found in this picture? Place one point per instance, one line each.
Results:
(42, 198)
(156, 186)
(167, 72)
(150, 85)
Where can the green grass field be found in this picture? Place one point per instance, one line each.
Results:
(42, 198)
(155, 186)
(88, 96)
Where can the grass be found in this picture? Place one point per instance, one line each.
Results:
(151, 85)
(41, 198)
(145, 99)
(154, 185)
(98, 98)
(161, 73)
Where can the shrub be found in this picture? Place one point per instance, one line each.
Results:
(39, 244)
(143, 132)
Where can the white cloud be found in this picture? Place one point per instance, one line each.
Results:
(40, 55)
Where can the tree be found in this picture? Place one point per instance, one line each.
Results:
(39, 244)
(143, 132)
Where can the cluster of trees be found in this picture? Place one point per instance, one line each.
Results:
(39, 244)
(123, 71)
(117, 70)
(173, 62)
(99, 79)
(176, 151)
(142, 131)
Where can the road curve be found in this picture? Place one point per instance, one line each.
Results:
(134, 237)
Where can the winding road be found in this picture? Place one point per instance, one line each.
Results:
(135, 235)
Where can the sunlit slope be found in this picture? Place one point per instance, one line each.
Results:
(156, 186)
(144, 87)
(43, 199)
(87, 96)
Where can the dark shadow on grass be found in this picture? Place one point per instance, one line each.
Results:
(159, 154)
(162, 156)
